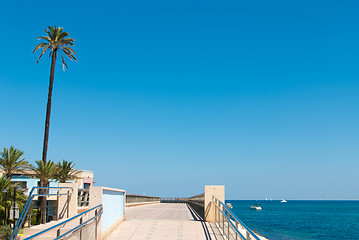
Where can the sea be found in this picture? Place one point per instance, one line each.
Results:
(301, 220)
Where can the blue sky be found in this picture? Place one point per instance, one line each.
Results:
(167, 96)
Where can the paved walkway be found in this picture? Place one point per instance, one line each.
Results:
(163, 221)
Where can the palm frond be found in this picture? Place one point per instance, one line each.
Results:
(11, 161)
(66, 171)
(44, 171)
(43, 51)
(63, 62)
(40, 45)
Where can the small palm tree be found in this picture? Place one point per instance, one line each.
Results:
(57, 42)
(44, 172)
(11, 161)
(66, 171)
(5, 184)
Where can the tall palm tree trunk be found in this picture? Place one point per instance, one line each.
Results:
(42, 200)
(43, 206)
(48, 109)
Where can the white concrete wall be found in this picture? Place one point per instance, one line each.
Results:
(113, 201)
(113, 207)
(30, 182)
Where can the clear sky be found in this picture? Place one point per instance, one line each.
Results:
(167, 96)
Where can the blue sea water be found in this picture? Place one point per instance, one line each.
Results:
(299, 220)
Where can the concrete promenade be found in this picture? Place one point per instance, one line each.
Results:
(163, 221)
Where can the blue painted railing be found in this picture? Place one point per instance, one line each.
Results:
(98, 212)
(225, 213)
(31, 196)
(232, 224)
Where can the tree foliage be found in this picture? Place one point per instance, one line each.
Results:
(66, 171)
(44, 171)
(56, 41)
(11, 161)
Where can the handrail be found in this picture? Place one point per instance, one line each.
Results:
(229, 220)
(218, 203)
(238, 220)
(28, 203)
(81, 225)
(68, 220)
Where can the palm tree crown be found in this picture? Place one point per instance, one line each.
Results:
(66, 171)
(45, 171)
(56, 41)
(11, 161)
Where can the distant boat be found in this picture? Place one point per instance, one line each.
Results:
(266, 199)
(229, 205)
(283, 200)
(256, 207)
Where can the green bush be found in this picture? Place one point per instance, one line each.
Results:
(5, 232)
(33, 217)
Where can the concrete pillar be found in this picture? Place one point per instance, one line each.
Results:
(211, 191)
(96, 199)
(67, 206)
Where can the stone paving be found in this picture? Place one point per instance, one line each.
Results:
(163, 221)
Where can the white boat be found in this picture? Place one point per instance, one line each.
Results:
(229, 205)
(256, 207)
(283, 200)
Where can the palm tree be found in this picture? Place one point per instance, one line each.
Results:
(44, 172)
(5, 184)
(11, 161)
(66, 171)
(56, 42)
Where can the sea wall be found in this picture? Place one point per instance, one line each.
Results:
(136, 200)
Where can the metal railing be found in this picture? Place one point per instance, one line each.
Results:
(33, 193)
(173, 200)
(78, 229)
(229, 224)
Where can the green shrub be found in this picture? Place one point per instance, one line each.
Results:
(5, 232)
(33, 217)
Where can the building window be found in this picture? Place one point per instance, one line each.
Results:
(22, 184)
(86, 186)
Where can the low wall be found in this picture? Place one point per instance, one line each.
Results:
(197, 203)
(113, 201)
(133, 198)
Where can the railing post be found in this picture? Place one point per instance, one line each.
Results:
(219, 218)
(228, 228)
(80, 228)
(68, 204)
(215, 213)
(96, 225)
(58, 232)
(248, 237)
(30, 215)
(237, 229)
(222, 222)
(58, 200)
